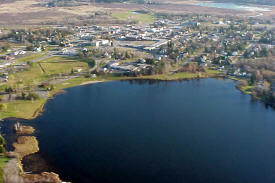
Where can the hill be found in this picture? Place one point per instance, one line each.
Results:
(260, 2)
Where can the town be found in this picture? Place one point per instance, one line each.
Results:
(199, 45)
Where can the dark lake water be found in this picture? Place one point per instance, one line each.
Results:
(202, 131)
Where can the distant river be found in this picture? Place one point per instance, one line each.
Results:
(202, 131)
(234, 6)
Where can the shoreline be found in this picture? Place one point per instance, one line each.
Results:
(39, 111)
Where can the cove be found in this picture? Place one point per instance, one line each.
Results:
(198, 131)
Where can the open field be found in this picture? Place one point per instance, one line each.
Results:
(56, 65)
(25, 109)
(31, 57)
(25, 145)
(31, 12)
(44, 69)
(177, 76)
(38, 72)
(128, 15)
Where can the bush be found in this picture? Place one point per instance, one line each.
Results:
(33, 96)
(2, 140)
(9, 90)
(2, 149)
(91, 63)
(3, 107)
(149, 61)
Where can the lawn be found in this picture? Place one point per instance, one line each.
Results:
(164, 77)
(23, 109)
(72, 82)
(56, 65)
(31, 76)
(213, 72)
(247, 89)
(31, 57)
(37, 73)
(177, 76)
(3, 161)
(129, 15)
(44, 70)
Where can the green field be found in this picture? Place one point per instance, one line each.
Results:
(56, 65)
(129, 15)
(31, 57)
(213, 72)
(43, 70)
(246, 89)
(22, 109)
(177, 76)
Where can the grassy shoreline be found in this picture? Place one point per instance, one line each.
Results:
(26, 109)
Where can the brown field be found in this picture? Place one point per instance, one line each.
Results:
(180, 3)
(30, 12)
(25, 145)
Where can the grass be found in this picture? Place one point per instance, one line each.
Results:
(31, 76)
(164, 77)
(129, 60)
(177, 76)
(31, 57)
(25, 145)
(23, 109)
(246, 89)
(44, 70)
(56, 65)
(128, 15)
(30, 109)
(213, 72)
(3, 161)
(70, 83)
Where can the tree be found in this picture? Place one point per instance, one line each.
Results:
(264, 52)
(9, 90)
(2, 149)
(91, 63)
(23, 95)
(149, 61)
(2, 140)
(6, 47)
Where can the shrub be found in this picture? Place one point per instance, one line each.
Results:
(33, 96)
(2, 140)
(2, 149)
(91, 63)
(3, 107)
(149, 61)
(9, 90)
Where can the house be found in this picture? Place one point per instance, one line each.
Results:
(102, 42)
(235, 53)
(37, 49)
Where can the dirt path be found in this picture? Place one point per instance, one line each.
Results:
(11, 172)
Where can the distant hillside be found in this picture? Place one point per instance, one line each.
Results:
(70, 3)
(260, 2)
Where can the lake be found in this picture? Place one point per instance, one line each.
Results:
(234, 6)
(199, 131)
